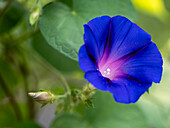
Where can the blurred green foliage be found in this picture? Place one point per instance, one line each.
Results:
(27, 124)
(29, 63)
(106, 114)
(8, 73)
(10, 19)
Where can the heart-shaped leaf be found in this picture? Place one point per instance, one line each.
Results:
(62, 26)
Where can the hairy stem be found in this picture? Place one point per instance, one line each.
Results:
(12, 99)
(5, 8)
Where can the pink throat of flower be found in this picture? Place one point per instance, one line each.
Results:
(110, 69)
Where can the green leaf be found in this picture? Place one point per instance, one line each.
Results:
(62, 26)
(105, 114)
(56, 59)
(69, 121)
(12, 16)
(67, 2)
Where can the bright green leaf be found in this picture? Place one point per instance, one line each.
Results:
(62, 26)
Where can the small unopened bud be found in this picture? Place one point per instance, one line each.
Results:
(42, 97)
(34, 16)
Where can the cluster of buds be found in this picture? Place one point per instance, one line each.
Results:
(77, 96)
(84, 95)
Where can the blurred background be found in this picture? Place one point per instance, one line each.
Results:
(29, 63)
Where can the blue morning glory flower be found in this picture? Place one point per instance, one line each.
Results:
(118, 56)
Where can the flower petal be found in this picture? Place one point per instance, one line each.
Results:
(97, 80)
(95, 36)
(126, 90)
(146, 65)
(126, 37)
(85, 62)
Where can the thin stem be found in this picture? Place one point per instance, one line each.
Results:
(5, 8)
(49, 67)
(61, 96)
(12, 99)
(65, 84)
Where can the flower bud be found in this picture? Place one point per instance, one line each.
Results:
(34, 16)
(42, 97)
